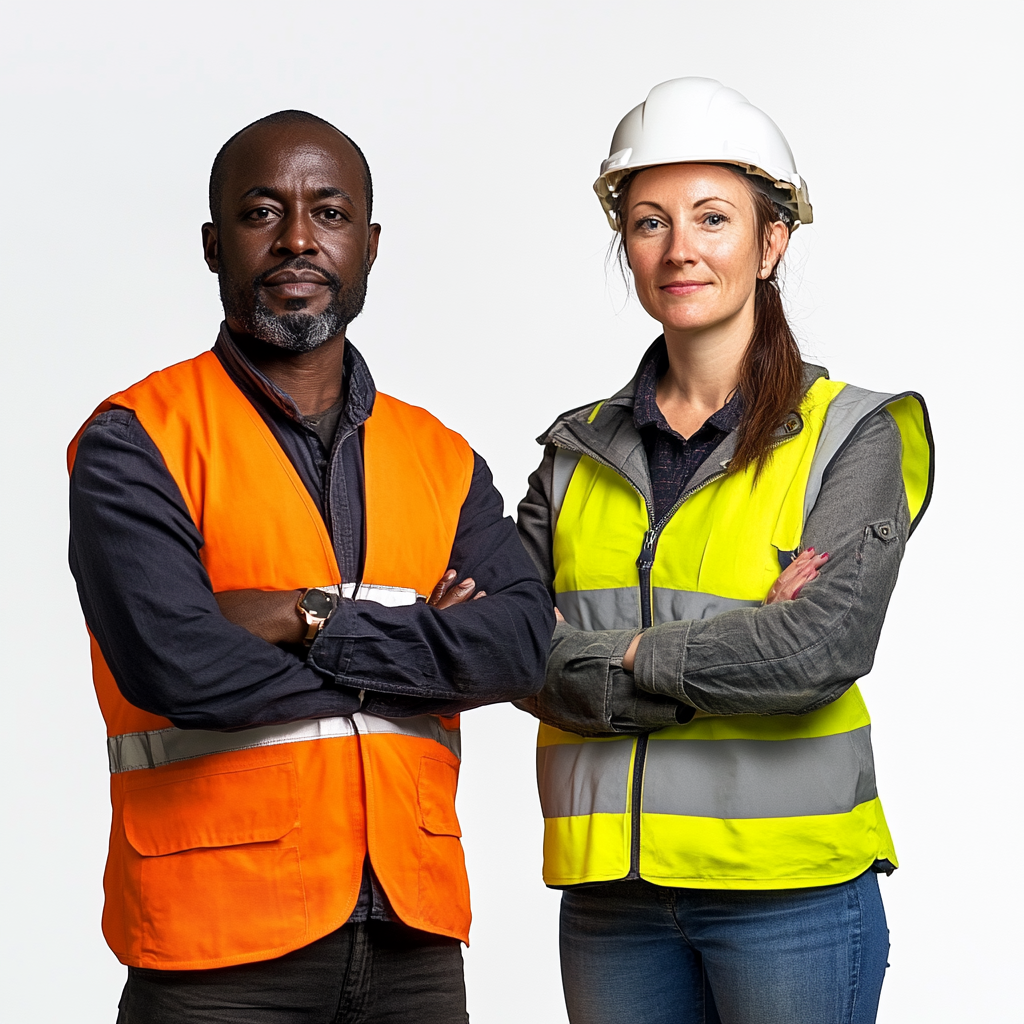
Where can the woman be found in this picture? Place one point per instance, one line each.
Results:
(704, 758)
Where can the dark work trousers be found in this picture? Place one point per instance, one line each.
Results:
(366, 973)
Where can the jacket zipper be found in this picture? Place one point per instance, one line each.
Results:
(644, 564)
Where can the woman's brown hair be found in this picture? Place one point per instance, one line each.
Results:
(771, 376)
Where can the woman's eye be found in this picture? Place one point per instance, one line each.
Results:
(648, 224)
(714, 220)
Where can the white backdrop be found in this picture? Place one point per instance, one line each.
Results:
(484, 124)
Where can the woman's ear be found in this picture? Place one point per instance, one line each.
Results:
(774, 250)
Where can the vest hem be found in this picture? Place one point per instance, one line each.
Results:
(692, 882)
(154, 964)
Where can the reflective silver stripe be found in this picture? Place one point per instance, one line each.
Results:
(131, 751)
(584, 778)
(562, 469)
(851, 407)
(619, 607)
(426, 727)
(393, 597)
(760, 778)
(676, 605)
(614, 608)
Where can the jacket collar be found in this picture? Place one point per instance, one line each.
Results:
(606, 432)
(358, 387)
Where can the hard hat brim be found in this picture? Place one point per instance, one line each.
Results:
(792, 195)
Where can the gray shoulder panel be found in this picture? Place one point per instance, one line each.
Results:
(562, 469)
(851, 408)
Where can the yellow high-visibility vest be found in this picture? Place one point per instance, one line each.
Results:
(730, 802)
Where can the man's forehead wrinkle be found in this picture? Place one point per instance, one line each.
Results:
(312, 164)
(257, 148)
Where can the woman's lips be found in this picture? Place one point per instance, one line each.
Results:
(684, 287)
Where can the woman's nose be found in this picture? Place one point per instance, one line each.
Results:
(681, 250)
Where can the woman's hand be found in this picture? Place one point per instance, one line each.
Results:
(796, 576)
(787, 587)
(446, 594)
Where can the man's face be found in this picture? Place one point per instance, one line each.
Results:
(293, 248)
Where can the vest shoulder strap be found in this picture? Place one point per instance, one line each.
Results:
(848, 411)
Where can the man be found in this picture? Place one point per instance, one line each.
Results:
(253, 532)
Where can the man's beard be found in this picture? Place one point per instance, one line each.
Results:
(297, 331)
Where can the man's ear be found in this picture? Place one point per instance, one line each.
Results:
(371, 245)
(211, 251)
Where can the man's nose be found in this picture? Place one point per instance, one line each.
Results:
(296, 238)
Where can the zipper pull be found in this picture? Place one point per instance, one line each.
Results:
(645, 560)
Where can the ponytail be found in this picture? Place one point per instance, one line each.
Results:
(771, 375)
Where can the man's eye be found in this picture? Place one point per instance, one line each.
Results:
(333, 214)
(261, 213)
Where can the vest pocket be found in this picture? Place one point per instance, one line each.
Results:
(443, 896)
(436, 796)
(217, 881)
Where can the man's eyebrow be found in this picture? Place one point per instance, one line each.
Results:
(269, 192)
(330, 192)
(262, 192)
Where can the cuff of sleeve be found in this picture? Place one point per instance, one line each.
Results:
(331, 651)
(661, 661)
(630, 709)
(621, 645)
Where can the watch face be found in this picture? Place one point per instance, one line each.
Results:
(318, 603)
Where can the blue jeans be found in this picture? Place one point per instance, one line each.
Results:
(636, 953)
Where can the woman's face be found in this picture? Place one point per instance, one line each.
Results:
(693, 246)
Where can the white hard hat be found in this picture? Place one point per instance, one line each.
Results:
(699, 120)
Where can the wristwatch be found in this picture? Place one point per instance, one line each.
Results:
(316, 607)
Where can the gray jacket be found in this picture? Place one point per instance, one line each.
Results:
(791, 657)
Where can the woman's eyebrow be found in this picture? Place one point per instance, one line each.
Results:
(699, 203)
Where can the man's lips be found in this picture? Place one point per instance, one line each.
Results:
(295, 284)
(684, 287)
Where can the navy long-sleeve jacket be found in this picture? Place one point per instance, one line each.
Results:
(134, 553)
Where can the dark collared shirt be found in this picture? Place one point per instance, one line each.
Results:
(671, 458)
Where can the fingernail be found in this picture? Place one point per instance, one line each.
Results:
(810, 551)
(824, 557)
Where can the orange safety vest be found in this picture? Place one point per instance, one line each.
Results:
(227, 848)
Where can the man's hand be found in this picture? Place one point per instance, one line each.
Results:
(796, 576)
(446, 594)
(272, 616)
(269, 614)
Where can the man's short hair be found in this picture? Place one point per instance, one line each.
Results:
(281, 117)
